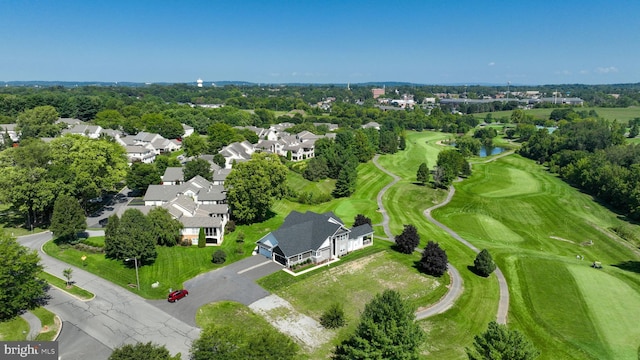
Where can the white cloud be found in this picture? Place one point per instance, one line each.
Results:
(606, 70)
(563, 72)
(584, 72)
(294, 73)
(274, 74)
(491, 63)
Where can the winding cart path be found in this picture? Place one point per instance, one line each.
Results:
(455, 289)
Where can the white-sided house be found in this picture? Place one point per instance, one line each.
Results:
(173, 176)
(140, 153)
(237, 152)
(90, 131)
(196, 203)
(312, 237)
(188, 130)
(10, 130)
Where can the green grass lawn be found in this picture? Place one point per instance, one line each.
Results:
(15, 329)
(534, 225)
(173, 266)
(50, 325)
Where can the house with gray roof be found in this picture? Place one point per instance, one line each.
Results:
(237, 152)
(314, 238)
(173, 176)
(197, 203)
(10, 130)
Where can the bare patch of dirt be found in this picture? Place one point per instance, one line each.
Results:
(303, 329)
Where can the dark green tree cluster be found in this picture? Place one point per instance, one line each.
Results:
(34, 174)
(142, 351)
(468, 146)
(38, 122)
(141, 175)
(68, 219)
(197, 167)
(449, 166)
(164, 229)
(501, 343)
(225, 342)
(129, 237)
(434, 260)
(590, 155)
(408, 240)
(20, 287)
(360, 219)
(387, 330)
(254, 185)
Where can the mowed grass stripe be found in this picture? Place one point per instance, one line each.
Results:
(613, 305)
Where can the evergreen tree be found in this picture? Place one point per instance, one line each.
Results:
(202, 240)
(500, 343)
(68, 218)
(113, 243)
(408, 240)
(434, 260)
(633, 132)
(423, 173)
(346, 183)
(334, 317)
(483, 264)
(361, 220)
(387, 330)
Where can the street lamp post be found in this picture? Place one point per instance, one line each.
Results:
(135, 261)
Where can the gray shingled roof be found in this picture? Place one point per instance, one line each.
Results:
(303, 232)
(173, 174)
(361, 230)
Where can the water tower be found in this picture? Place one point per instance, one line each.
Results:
(199, 82)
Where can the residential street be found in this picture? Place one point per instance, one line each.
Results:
(115, 317)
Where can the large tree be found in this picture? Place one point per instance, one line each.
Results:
(194, 145)
(132, 239)
(141, 351)
(483, 263)
(434, 260)
(141, 175)
(68, 218)
(501, 343)
(164, 228)
(88, 166)
(197, 167)
(422, 176)
(408, 240)
(20, 287)
(225, 342)
(38, 122)
(387, 330)
(254, 185)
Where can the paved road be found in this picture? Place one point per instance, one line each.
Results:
(116, 205)
(34, 324)
(455, 289)
(235, 282)
(113, 318)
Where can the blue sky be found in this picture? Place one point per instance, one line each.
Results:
(265, 41)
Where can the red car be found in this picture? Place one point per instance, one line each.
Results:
(177, 295)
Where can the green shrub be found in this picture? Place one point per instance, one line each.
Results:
(219, 257)
(334, 317)
(202, 240)
(484, 264)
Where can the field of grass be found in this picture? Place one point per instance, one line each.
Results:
(623, 115)
(534, 225)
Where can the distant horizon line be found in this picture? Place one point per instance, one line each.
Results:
(242, 82)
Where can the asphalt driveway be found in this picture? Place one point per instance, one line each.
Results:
(235, 282)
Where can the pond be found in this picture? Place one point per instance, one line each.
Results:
(483, 150)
